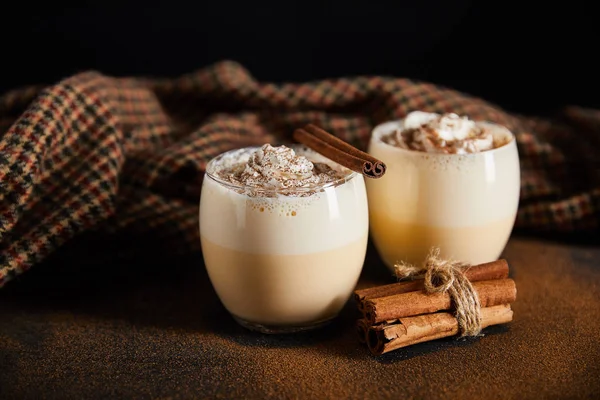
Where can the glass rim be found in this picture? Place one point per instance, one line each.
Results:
(384, 128)
(283, 191)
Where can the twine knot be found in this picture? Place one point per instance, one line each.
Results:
(447, 276)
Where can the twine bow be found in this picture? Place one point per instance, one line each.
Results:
(447, 276)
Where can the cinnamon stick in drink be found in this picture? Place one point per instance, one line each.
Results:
(490, 293)
(339, 151)
(481, 272)
(417, 329)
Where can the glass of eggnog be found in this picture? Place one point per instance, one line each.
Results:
(284, 235)
(451, 183)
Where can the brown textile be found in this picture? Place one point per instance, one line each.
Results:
(96, 153)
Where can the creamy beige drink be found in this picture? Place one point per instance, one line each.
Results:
(450, 182)
(283, 235)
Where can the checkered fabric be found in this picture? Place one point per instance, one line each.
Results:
(97, 153)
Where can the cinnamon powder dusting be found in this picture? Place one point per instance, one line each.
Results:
(446, 133)
(278, 169)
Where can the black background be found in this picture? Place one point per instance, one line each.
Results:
(526, 56)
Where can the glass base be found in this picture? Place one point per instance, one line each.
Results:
(281, 329)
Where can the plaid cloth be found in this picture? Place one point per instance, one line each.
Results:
(104, 154)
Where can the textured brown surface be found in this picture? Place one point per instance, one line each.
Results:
(80, 332)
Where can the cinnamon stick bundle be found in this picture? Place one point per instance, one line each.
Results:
(422, 328)
(481, 272)
(404, 313)
(339, 151)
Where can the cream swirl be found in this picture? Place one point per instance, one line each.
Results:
(279, 167)
(445, 133)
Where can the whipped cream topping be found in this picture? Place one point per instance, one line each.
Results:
(441, 133)
(275, 168)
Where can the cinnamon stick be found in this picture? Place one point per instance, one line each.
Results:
(490, 293)
(362, 329)
(482, 272)
(417, 329)
(339, 151)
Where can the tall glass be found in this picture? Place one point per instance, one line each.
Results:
(464, 204)
(280, 262)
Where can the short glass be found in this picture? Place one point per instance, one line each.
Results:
(464, 204)
(283, 263)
